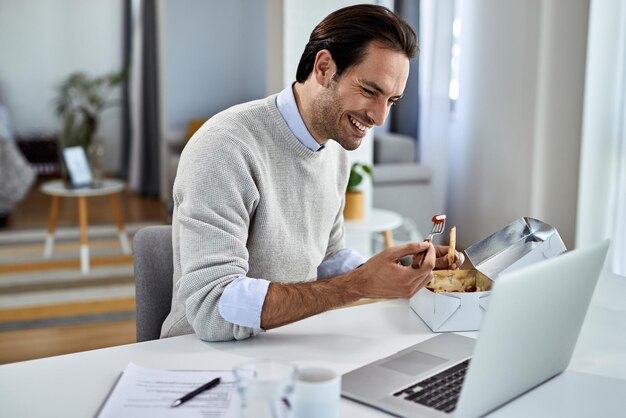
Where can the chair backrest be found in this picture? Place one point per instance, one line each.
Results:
(154, 268)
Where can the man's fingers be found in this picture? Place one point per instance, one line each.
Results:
(408, 249)
(429, 259)
(441, 250)
(442, 261)
(424, 260)
(459, 260)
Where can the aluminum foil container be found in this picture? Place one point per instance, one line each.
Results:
(517, 245)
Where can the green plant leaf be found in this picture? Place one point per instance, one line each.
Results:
(79, 103)
(356, 175)
(354, 180)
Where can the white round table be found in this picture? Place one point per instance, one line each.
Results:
(108, 187)
(377, 220)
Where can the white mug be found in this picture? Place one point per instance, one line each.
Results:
(316, 393)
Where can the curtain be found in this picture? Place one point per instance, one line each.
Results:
(404, 118)
(602, 188)
(436, 18)
(144, 100)
(127, 44)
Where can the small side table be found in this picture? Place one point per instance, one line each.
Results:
(378, 220)
(57, 189)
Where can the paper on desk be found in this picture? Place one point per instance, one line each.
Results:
(145, 392)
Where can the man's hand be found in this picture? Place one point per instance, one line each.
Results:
(384, 277)
(441, 261)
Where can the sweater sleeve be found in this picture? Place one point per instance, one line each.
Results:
(215, 197)
(336, 240)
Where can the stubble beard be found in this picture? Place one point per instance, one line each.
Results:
(326, 118)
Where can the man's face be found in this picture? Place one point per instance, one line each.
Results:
(360, 98)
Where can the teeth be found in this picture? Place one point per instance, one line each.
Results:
(356, 123)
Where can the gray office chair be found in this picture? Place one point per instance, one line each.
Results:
(154, 268)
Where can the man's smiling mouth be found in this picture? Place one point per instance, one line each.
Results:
(359, 125)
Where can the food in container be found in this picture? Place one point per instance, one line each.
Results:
(446, 281)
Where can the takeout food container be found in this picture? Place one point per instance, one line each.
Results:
(457, 300)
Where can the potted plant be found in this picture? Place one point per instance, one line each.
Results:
(355, 198)
(79, 104)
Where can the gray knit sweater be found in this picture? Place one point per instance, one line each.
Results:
(249, 200)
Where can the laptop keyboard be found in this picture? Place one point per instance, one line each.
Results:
(440, 391)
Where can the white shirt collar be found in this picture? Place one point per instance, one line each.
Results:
(286, 103)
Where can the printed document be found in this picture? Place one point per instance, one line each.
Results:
(146, 392)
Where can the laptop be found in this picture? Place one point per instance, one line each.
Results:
(528, 336)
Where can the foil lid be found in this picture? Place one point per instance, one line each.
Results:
(517, 245)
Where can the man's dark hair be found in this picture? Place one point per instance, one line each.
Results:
(347, 33)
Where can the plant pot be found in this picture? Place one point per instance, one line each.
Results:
(355, 206)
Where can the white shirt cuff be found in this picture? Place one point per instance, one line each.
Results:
(339, 263)
(242, 301)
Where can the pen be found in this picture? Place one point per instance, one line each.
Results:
(198, 391)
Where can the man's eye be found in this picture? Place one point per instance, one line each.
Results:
(392, 102)
(368, 92)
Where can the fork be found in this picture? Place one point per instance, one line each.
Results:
(439, 223)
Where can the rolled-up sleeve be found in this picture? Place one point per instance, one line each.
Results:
(341, 262)
(242, 301)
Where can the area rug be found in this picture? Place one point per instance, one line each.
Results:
(37, 292)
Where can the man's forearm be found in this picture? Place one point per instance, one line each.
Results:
(382, 276)
(287, 303)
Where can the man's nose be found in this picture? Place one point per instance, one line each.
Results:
(378, 113)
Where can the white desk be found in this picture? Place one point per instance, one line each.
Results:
(74, 385)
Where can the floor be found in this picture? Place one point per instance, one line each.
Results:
(32, 343)
(33, 211)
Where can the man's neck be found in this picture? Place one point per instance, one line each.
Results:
(303, 96)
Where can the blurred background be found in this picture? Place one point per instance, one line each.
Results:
(512, 109)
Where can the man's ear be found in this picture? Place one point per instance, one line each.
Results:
(324, 67)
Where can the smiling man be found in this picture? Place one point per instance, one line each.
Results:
(257, 226)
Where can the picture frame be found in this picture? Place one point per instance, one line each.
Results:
(77, 166)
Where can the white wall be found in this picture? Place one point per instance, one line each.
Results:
(41, 42)
(515, 140)
(292, 22)
(558, 114)
(435, 39)
(276, 46)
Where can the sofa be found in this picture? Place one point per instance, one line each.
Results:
(16, 174)
(402, 185)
